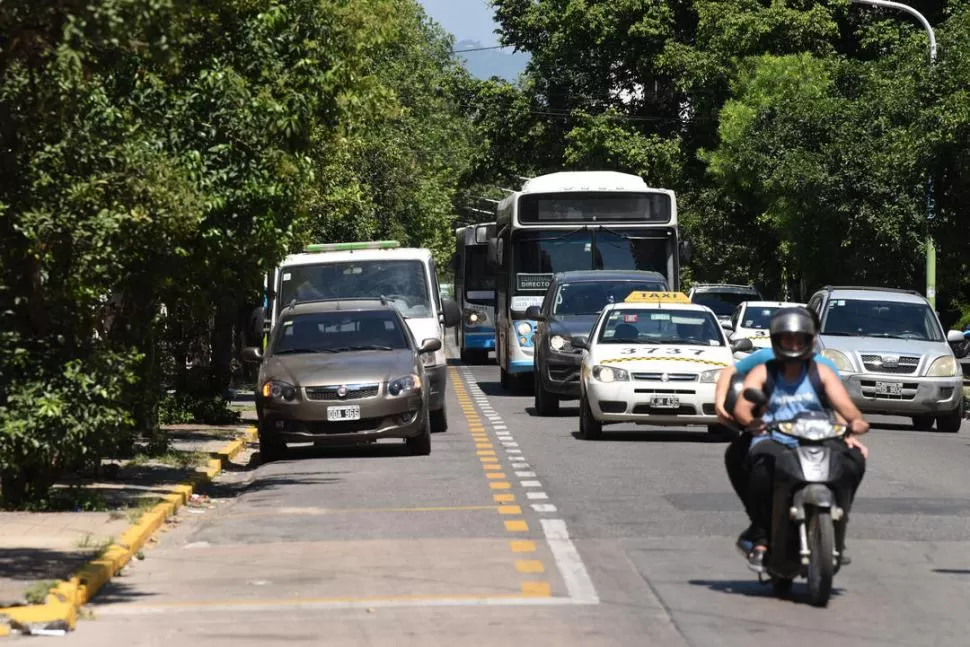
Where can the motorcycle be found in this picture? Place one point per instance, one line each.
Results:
(807, 520)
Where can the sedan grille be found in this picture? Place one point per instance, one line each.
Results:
(332, 393)
(671, 377)
(902, 365)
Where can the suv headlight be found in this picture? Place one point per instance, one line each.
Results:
(404, 385)
(610, 374)
(840, 360)
(279, 391)
(475, 318)
(711, 375)
(944, 366)
(560, 344)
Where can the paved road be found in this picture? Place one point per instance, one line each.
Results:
(514, 531)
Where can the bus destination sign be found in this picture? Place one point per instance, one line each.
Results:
(533, 282)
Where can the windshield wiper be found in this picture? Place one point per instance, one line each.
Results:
(344, 349)
(290, 351)
(843, 334)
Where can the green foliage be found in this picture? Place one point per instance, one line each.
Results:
(180, 408)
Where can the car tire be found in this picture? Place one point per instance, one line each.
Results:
(923, 423)
(589, 427)
(546, 403)
(420, 445)
(271, 446)
(439, 421)
(950, 423)
(504, 379)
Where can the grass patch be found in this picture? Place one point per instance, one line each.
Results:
(75, 498)
(96, 546)
(146, 503)
(36, 593)
(172, 458)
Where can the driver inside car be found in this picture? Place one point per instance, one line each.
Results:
(794, 384)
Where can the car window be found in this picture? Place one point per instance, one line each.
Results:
(590, 297)
(890, 319)
(340, 331)
(667, 326)
(758, 317)
(722, 303)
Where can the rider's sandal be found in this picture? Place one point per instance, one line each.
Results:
(756, 560)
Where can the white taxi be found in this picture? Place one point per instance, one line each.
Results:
(652, 359)
(751, 320)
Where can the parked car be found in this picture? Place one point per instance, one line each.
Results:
(723, 298)
(342, 372)
(892, 353)
(571, 306)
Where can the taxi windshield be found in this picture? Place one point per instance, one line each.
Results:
(758, 317)
(660, 326)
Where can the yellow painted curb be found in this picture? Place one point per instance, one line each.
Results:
(59, 611)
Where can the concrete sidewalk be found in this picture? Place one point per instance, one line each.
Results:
(38, 548)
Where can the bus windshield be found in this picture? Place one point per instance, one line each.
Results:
(479, 280)
(404, 283)
(537, 255)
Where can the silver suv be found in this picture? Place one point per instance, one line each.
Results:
(892, 354)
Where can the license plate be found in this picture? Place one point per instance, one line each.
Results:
(349, 412)
(665, 402)
(889, 388)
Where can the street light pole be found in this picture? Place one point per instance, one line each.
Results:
(930, 204)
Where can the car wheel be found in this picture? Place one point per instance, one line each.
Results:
(271, 446)
(923, 423)
(504, 379)
(546, 404)
(589, 427)
(420, 445)
(439, 421)
(950, 422)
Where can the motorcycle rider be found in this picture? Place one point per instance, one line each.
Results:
(735, 457)
(794, 384)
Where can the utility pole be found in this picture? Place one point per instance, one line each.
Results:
(930, 202)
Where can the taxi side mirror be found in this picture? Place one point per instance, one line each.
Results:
(579, 342)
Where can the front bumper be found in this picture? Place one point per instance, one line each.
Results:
(919, 395)
(631, 402)
(561, 374)
(479, 339)
(380, 417)
(438, 382)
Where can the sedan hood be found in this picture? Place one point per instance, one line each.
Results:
(319, 369)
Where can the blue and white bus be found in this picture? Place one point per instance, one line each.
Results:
(474, 292)
(577, 220)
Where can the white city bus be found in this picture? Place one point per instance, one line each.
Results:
(407, 277)
(474, 292)
(577, 220)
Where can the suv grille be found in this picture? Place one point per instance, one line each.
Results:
(354, 392)
(890, 364)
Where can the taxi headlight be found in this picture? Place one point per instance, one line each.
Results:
(945, 366)
(711, 375)
(560, 343)
(838, 358)
(610, 374)
(404, 385)
(524, 328)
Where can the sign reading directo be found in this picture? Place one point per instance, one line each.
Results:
(532, 281)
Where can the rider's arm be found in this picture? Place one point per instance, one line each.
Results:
(841, 400)
(744, 411)
(720, 395)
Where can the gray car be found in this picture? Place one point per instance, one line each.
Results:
(892, 354)
(342, 372)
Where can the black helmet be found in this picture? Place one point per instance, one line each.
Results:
(793, 320)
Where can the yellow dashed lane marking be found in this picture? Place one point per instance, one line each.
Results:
(537, 589)
(517, 525)
(491, 466)
(500, 485)
(529, 566)
(494, 476)
(486, 452)
(509, 509)
(522, 546)
(503, 498)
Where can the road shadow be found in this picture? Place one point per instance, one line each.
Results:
(117, 591)
(755, 589)
(658, 436)
(952, 571)
(28, 564)
(563, 412)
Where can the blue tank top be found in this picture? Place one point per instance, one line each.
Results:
(787, 400)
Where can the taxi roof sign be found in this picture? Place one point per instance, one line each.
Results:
(656, 297)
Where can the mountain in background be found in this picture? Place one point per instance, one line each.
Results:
(492, 62)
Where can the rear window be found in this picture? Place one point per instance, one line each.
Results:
(723, 303)
(589, 298)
